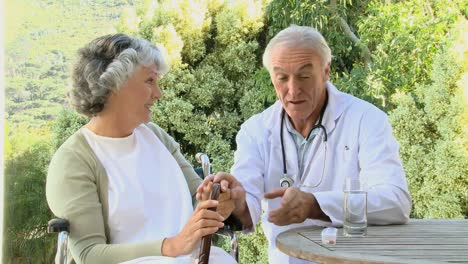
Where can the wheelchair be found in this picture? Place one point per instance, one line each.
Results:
(231, 224)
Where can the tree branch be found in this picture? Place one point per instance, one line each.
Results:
(350, 34)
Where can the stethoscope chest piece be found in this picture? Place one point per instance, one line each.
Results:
(286, 181)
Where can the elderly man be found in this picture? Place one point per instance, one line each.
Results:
(295, 155)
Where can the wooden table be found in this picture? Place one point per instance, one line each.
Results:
(420, 241)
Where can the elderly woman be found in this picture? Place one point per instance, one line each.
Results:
(121, 181)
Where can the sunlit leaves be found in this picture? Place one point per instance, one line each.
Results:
(430, 124)
(403, 38)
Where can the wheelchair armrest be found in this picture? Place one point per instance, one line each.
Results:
(58, 225)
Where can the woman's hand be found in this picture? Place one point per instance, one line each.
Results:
(202, 222)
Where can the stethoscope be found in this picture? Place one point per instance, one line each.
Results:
(287, 181)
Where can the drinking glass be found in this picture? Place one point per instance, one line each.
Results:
(354, 208)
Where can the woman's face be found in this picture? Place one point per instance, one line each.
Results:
(137, 95)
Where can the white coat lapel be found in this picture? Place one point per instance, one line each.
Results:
(275, 171)
(337, 103)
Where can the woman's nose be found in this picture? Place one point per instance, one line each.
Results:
(156, 92)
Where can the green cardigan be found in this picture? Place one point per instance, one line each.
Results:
(76, 190)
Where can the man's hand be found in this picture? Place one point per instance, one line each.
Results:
(226, 204)
(233, 192)
(296, 206)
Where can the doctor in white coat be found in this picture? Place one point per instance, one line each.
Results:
(311, 139)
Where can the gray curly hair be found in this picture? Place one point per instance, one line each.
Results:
(300, 37)
(105, 64)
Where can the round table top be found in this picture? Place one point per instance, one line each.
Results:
(420, 241)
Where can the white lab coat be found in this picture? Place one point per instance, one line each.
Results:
(360, 144)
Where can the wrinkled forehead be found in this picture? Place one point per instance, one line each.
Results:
(294, 58)
(151, 69)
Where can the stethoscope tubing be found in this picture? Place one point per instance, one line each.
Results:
(325, 140)
(319, 126)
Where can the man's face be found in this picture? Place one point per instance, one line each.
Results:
(299, 77)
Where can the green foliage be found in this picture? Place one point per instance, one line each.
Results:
(38, 52)
(240, 22)
(7, 146)
(253, 247)
(35, 90)
(325, 17)
(259, 98)
(403, 37)
(431, 126)
(66, 124)
(22, 137)
(26, 212)
(215, 61)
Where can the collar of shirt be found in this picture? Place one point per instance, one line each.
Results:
(298, 138)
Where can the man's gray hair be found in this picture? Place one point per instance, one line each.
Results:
(105, 64)
(298, 37)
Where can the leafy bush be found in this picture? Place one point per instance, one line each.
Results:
(253, 247)
(403, 37)
(26, 212)
(431, 125)
(67, 123)
(215, 61)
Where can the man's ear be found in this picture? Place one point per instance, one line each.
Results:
(326, 73)
(273, 83)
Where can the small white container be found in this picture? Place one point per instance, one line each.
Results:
(329, 235)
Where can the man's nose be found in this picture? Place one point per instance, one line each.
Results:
(293, 87)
